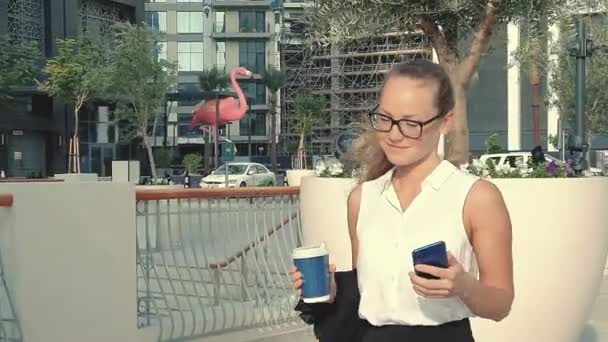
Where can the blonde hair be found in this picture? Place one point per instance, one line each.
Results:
(365, 155)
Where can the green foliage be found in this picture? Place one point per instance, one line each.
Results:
(18, 64)
(163, 157)
(308, 110)
(191, 162)
(78, 72)
(140, 82)
(553, 140)
(492, 144)
(273, 78)
(340, 20)
(563, 74)
(213, 79)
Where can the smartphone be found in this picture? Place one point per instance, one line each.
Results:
(434, 254)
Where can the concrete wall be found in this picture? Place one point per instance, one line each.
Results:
(69, 252)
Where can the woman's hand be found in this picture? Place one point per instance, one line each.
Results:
(453, 281)
(297, 280)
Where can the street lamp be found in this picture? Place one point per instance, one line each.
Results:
(577, 144)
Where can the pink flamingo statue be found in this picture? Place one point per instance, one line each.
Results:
(205, 112)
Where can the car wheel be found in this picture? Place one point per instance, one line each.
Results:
(243, 184)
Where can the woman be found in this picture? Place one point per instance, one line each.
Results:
(409, 198)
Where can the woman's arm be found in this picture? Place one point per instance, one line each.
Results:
(354, 202)
(487, 221)
(486, 215)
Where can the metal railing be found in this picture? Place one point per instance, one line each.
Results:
(214, 260)
(10, 328)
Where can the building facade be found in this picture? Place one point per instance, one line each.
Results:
(198, 35)
(35, 128)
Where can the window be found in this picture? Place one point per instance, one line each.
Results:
(220, 55)
(189, 0)
(189, 22)
(220, 22)
(252, 55)
(183, 126)
(257, 121)
(190, 56)
(157, 21)
(255, 92)
(162, 50)
(252, 21)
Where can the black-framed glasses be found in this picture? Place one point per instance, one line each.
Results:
(409, 128)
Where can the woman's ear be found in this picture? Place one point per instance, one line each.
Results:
(446, 123)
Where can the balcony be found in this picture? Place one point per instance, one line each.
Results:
(239, 4)
(220, 34)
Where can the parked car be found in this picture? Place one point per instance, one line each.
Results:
(239, 175)
(512, 157)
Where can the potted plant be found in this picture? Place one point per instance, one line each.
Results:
(163, 158)
(560, 243)
(308, 109)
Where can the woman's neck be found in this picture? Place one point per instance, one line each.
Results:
(416, 173)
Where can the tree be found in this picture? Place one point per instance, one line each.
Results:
(140, 82)
(446, 23)
(77, 73)
(18, 64)
(563, 73)
(308, 110)
(274, 80)
(211, 80)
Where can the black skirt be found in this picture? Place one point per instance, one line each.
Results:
(340, 322)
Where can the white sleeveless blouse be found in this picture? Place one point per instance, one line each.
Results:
(387, 236)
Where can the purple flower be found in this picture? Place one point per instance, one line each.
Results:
(569, 169)
(552, 167)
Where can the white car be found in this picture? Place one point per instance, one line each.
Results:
(512, 157)
(240, 175)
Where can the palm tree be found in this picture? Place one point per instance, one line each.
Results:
(308, 110)
(211, 80)
(273, 79)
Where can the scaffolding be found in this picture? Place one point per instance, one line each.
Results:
(348, 75)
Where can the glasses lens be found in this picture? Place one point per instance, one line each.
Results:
(410, 129)
(380, 123)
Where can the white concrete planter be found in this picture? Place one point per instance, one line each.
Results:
(560, 244)
(294, 177)
(323, 213)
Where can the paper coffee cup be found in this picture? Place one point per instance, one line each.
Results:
(313, 263)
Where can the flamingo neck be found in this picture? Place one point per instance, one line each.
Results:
(237, 88)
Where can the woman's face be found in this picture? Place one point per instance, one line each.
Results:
(415, 139)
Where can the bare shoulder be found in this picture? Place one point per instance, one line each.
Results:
(485, 206)
(485, 193)
(353, 205)
(354, 198)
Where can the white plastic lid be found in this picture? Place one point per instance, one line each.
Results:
(309, 252)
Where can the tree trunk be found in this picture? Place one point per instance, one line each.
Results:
(458, 137)
(150, 159)
(74, 157)
(461, 71)
(301, 155)
(207, 152)
(273, 131)
(534, 78)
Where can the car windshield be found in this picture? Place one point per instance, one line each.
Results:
(232, 169)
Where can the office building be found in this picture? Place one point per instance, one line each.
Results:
(35, 128)
(199, 35)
